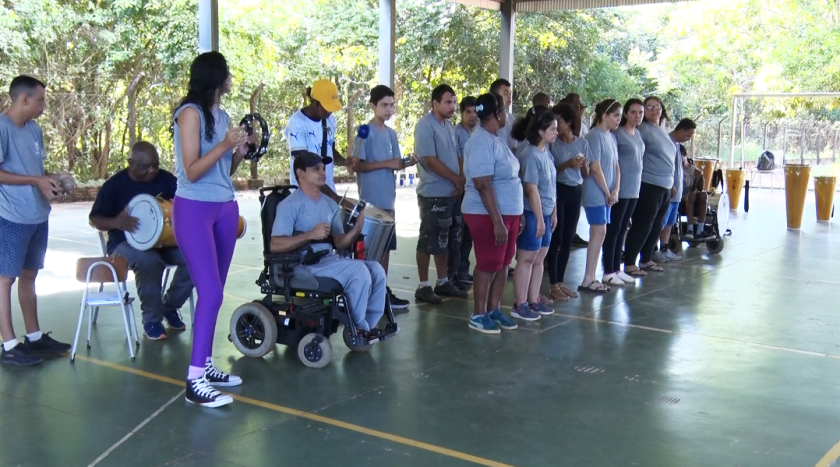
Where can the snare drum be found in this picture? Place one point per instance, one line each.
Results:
(378, 228)
(154, 223)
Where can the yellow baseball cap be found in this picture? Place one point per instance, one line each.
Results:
(325, 92)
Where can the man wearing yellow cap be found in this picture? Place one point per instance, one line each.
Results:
(312, 129)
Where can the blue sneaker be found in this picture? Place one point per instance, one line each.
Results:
(173, 320)
(154, 331)
(502, 321)
(483, 323)
(524, 312)
(542, 308)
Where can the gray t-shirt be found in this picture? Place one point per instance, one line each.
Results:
(678, 175)
(631, 151)
(562, 152)
(484, 155)
(658, 164)
(378, 187)
(299, 214)
(433, 138)
(539, 169)
(463, 136)
(215, 185)
(22, 152)
(604, 150)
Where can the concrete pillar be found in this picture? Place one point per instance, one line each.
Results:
(508, 10)
(208, 26)
(387, 36)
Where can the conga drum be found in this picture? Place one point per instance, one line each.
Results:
(708, 168)
(154, 223)
(824, 186)
(734, 182)
(796, 187)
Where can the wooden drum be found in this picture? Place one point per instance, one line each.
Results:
(734, 183)
(796, 187)
(824, 187)
(708, 168)
(154, 223)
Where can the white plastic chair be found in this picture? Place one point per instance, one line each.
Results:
(104, 270)
(761, 173)
(103, 244)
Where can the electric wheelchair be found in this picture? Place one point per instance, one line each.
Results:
(298, 309)
(716, 228)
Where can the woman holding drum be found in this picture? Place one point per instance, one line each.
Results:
(205, 214)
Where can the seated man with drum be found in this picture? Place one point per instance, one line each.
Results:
(308, 222)
(695, 199)
(110, 213)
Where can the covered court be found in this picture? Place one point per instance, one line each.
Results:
(722, 360)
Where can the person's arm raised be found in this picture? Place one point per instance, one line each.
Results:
(189, 123)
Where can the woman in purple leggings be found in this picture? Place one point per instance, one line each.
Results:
(205, 216)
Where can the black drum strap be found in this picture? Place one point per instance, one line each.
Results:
(324, 130)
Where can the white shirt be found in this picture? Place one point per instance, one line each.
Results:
(303, 133)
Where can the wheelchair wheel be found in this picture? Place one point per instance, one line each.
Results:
(253, 330)
(714, 246)
(315, 350)
(360, 348)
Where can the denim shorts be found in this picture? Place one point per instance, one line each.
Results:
(529, 241)
(672, 215)
(24, 247)
(597, 215)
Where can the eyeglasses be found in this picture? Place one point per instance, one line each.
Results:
(654, 107)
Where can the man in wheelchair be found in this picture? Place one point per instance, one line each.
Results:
(695, 200)
(308, 222)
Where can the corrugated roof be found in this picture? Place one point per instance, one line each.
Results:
(550, 5)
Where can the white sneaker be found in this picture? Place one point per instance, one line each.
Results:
(671, 256)
(612, 279)
(658, 257)
(627, 278)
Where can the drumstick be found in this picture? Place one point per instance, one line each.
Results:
(329, 222)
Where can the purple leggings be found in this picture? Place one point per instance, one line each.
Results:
(206, 234)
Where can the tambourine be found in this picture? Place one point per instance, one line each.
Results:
(255, 153)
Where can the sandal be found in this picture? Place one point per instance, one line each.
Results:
(652, 266)
(557, 293)
(571, 293)
(594, 286)
(545, 300)
(635, 272)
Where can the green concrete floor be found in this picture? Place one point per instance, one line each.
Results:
(727, 360)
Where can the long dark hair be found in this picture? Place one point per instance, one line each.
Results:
(605, 107)
(540, 121)
(518, 132)
(663, 115)
(627, 105)
(208, 74)
(575, 123)
(565, 111)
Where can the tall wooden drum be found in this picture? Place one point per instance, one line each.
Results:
(734, 183)
(824, 187)
(708, 168)
(796, 187)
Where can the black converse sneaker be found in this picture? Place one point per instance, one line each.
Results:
(200, 392)
(217, 377)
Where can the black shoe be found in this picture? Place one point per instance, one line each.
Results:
(20, 356)
(45, 344)
(396, 302)
(465, 278)
(200, 392)
(449, 289)
(426, 294)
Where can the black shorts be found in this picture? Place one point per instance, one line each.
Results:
(440, 224)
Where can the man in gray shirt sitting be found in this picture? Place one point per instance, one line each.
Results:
(438, 195)
(25, 194)
(308, 216)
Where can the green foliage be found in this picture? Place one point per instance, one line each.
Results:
(694, 55)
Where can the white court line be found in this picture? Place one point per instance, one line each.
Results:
(135, 430)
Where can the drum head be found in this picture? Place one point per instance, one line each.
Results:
(149, 222)
(722, 211)
(378, 215)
